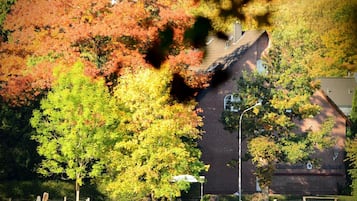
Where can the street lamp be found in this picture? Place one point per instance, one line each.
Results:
(240, 150)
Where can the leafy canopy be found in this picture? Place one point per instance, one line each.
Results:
(351, 150)
(108, 38)
(251, 14)
(75, 125)
(161, 140)
(316, 35)
(271, 128)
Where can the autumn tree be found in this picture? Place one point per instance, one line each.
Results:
(107, 37)
(251, 14)
(4, 9)
(269, 129)
(161, 141)
(75, 125)
(318, 35)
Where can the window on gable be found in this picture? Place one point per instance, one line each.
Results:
(261, 67)
(230, 102)
(350, 91)
(257, 185)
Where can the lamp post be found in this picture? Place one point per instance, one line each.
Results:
(240, 150)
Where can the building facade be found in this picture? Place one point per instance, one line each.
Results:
(219, 146)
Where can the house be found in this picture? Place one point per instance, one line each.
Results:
(342, 93)
(227, 60)
(218, 146)
(335, 98)
(328, 176)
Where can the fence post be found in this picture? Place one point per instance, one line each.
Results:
(64, 198)
(88, 199)
(38, 198)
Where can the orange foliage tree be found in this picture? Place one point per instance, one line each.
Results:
(108, 37)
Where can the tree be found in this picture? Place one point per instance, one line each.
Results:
(161, 141)
(353, 116)
(107, 37)
(76, 124)
(316, 35)
(351, 147)
(4, 9)
(251, 14)
(351, 150)
(270, 128)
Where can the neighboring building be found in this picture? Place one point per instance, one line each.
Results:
(335, 99)
(340, 91)
(227, 60)
(329, 176)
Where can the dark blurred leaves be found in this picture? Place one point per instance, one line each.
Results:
(264, 19)
(159, 50)
(18, 154)
(198, 33)
(179, 89)
(245, 11)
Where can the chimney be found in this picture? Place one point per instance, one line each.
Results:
(237, 31)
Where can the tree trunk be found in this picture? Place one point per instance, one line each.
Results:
(265, 192)
(77, 190)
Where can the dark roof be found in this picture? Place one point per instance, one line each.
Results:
(339, 90)
(221, 53)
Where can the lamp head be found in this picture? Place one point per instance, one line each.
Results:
(259, 102)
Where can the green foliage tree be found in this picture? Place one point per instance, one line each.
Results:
(353, 116)
(351, 150)
(75, 125)
(161, 140)
(269, 129)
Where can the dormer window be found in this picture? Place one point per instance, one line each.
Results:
(209, 40)
(230, 102)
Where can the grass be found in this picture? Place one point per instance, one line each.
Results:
(29, 190)
(271, 198)
(346, 198)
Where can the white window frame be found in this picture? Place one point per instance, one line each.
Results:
(309, 165)
(229, 101)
